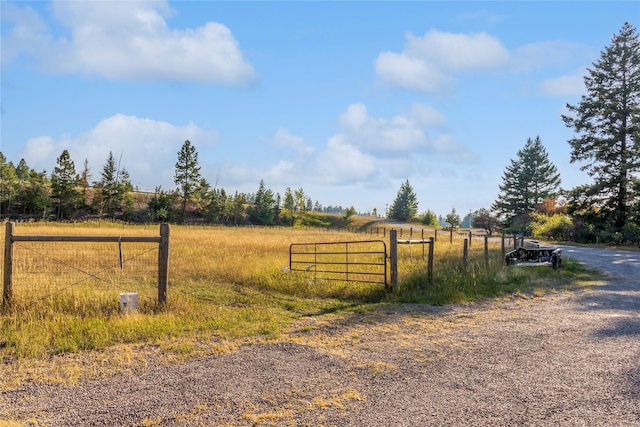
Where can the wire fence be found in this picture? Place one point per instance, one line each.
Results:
(61, 272)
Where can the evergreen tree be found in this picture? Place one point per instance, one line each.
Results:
(63, 186)
(453, 219)
(85, 177)
(607, 126)
(36, 197)
(527, 182)
(22, 170)
(428, 218)
(187, 174)
(288, 207)
(160, 207)
(263, 210)
(216, 206)
(405, 205)
(115, 185)
(8, 184)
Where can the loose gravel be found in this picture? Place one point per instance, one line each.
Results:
(563, 359)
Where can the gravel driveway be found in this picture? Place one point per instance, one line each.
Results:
(564, 359)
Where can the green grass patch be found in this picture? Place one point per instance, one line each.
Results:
(457, 284)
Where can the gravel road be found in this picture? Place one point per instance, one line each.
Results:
(564, 359)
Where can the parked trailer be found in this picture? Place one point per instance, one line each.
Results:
(532, 253)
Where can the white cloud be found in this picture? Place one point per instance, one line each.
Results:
(457, 51)
(130, 41)
(411, 73)
(427, 62)
(432, 62)
(28, 34)
(366, 152)
(342, 163)
(568, 85)
(147, 148)
(371, 150)
(284, 139)
(396, 136)
(427, 116)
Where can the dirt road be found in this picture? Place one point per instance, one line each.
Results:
(565, 359)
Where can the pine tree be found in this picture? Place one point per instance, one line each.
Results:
(405, 205)
(8, 184)
(63, 186)
(22, 170)
(453, 219)
(607, 126)
(36, 197)
(85, 177)
(263, 211)
(115, 185)
(187, 173)
(527, 182)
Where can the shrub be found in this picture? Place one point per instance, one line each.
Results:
(557, 226)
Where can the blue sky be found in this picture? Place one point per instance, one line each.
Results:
(344, 99)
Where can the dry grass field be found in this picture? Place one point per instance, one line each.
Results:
(225, 285)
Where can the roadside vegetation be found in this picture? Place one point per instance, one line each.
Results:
(226, 284)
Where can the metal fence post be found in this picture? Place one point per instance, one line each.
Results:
(393, 255)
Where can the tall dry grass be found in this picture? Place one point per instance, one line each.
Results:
(224, 283)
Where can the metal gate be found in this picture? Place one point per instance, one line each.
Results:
(359, 261)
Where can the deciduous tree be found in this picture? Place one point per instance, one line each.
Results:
(486, 220)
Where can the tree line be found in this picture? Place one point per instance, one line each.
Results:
(606, 141)
(67, 194)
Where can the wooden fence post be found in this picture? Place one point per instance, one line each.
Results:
(163, 263)
(486, 249)
(435, 234)
(451, 235)
(393, 255)
(430, 261)
(502, 247)
(7, 293)
(465, 253)
(470, 238)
